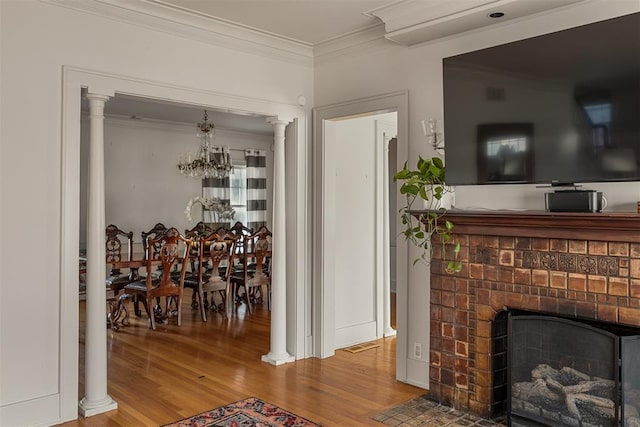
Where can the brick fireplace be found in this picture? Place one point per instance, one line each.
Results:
(576, 266)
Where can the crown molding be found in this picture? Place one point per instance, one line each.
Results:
(157, 16)
(356, 43)
(409, 22)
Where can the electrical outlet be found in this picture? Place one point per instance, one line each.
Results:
(417, 350)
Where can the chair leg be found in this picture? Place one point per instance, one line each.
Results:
(136, 306)
(194, 299)
(223, 304)
(152, 316)
(179, 302)
(122, 306)
(140, 298)
(113, 308)
(269, 296)
(228, 299)
(203, 313)
(248, 299)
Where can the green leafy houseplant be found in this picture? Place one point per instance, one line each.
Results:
(426, 184)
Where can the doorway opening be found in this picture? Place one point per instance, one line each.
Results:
(76, 80)
(352, 297)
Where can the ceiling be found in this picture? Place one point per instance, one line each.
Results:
(135, 108)
(307, 21)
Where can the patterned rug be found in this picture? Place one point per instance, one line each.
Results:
(251, 412)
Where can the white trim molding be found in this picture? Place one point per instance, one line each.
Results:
(76, 79)
(157, 16)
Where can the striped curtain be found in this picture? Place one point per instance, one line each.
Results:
(216, 187)
(256, 188)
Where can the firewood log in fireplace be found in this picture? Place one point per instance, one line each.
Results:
(565, 375)
(568, 392)
(590, 409)
(597, 387)
(539, 394)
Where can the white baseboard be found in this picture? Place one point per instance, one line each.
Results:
(43, 411)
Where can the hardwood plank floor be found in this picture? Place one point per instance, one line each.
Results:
(161, 376)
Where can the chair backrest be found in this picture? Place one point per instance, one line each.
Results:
(200, 229)
(152, 252)
(241, 231)
(114, 246)
(219, 247)
(257, 248)
(173, 249)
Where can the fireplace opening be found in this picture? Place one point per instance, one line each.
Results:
(552, 371)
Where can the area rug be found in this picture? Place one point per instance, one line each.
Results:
(251, 412)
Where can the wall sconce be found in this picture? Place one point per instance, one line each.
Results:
(431, 130)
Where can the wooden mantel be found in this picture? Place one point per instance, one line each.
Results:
(609, 226)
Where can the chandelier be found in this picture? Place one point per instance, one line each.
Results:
(210, 162)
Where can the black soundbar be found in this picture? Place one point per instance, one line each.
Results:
(573, 201)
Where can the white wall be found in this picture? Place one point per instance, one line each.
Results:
(363, 72)
(142, 184)
(38, 39)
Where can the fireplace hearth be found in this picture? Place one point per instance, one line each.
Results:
(575, 276)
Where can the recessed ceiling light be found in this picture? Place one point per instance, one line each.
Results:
(496, 15)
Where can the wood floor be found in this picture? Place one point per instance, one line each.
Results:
(174, 372)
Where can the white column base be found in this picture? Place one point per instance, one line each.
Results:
(389, 333)
(278, 359)
(89, 409)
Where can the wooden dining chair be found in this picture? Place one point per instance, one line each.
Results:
(172, 250)
(191, 277)
(115, 244)
(241, 231)
(118, 248)
(150, 252)
(255, 271)
(219, 248)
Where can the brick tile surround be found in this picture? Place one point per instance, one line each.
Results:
(572, 265)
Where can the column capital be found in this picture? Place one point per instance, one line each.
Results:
(279, 120)
(98, 96)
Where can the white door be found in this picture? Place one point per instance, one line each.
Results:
(355, 195)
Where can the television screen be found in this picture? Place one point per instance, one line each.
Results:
(559, 108)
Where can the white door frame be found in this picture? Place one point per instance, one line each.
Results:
(74, 80)
(324, 292)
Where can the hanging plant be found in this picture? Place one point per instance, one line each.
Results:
(422, 216)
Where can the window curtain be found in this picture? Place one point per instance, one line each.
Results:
(216, 188)
(256, 188)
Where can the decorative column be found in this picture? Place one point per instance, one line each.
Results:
(96, 399)
(386, 273)
(278, 353)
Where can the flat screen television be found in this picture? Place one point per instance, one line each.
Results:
(559, 108)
